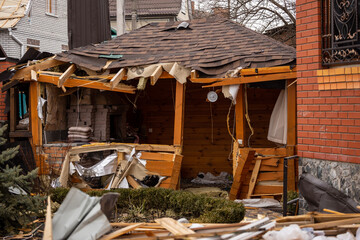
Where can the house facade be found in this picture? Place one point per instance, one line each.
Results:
(151, 11)
(42, 25)
(328, 92)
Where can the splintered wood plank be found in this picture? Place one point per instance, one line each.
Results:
(133, 182)
(253, 179)
(121, 231)
(117, 78)
(239, 174)
(157, 156)
(25, 73)
(48, 233)
(179, 114)
(33, 75)
(331, 224)
(66, 75)
(156, 75)
(73, 82)
(173, 226)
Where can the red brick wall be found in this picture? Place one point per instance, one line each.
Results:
(328, 117)
(56, 155)
(3, 67)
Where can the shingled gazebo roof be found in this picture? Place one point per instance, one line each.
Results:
(211, 46)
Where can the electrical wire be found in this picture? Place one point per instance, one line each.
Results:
(247, 116)
(227, 122)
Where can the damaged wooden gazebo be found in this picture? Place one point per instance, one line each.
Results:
(142, 80)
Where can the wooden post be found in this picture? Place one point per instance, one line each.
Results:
(239, 126)
(35, 124)
(179, 115)
(13, 111)
(291, 132)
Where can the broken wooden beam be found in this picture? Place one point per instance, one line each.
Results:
(25, 73)
(66, 75)
(156, 75)
(73, 82)
(254, 79)
(117, 78)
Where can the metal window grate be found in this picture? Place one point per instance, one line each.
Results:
(340, 32)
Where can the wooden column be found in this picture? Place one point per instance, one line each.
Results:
(35, 122)
(291, 132)
(179, 115)
(13, 111)
(239, 126)
(239, 115)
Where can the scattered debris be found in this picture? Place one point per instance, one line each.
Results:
(209, 178)
(320, 195)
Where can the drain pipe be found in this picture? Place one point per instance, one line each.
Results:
(18, 41)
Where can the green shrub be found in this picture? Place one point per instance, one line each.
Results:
(151, 203)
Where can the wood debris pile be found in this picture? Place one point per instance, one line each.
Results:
(316, 224)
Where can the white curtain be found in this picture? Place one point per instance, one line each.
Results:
(278, 121)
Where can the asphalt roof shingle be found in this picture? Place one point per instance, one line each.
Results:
(212, 46)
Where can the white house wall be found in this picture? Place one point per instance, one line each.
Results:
(50, 30)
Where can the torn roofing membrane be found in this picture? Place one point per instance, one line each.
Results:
(232, 46)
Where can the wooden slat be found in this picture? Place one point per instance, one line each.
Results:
(85, 83)
(254, 79)
(121, 231)
(117, 78)
(154, 147)
(66, 75)
(253, 179)
(157, 156)
(266, 70)
(179, 114)
(331, 224)
(239, 175)
(156, 75)
(270, 176)
(163, 168)
(133, 182)
(173, 226)
(48, 232)
(25, 73)
(20, 134)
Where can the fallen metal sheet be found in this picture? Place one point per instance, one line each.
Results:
(259, 202)
(79, 217)
(104, 167)
(320, 195)
(93, 226)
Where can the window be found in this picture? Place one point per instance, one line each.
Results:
(340, 32)
(51, 7)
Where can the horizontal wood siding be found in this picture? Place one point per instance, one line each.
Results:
(207, 143)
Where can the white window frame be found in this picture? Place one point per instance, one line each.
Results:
(51, 7)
